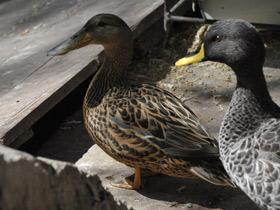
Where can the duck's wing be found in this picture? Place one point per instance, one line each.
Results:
(256, 165)
(268, 164)
(162, 120)
(268, 141)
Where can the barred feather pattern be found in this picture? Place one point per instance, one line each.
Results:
(250, 148)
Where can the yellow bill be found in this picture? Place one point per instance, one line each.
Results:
(192, 59)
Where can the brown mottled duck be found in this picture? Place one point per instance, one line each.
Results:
(141, 126)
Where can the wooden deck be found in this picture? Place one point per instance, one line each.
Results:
(32, 83)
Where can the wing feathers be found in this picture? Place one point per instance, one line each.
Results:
(157, 114)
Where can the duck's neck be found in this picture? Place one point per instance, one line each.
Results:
(111, 74)
(256, 84)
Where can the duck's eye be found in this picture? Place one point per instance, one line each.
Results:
(101, 24)
(218, 38)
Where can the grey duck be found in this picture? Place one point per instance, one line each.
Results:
(249, 138)
(141, 126)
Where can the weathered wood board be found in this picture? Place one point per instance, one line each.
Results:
(32, 83)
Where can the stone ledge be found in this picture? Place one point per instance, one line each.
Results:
(27, 182)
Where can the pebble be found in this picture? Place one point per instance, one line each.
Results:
(189, 205)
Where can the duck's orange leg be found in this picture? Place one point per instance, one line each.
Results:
(136, 184)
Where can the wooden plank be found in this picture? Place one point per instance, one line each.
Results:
(32, 83)
(22, 138)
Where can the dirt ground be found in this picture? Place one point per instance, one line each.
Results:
(205, 87)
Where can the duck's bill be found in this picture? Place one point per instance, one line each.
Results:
(78, 40)
(196, 57)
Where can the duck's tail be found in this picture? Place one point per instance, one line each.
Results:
(212, 170)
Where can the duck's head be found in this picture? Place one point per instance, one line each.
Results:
(233, 42)
(104, 29)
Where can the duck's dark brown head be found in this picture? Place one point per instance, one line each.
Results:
(104, 29)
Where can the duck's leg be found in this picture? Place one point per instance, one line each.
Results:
(136, 184)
